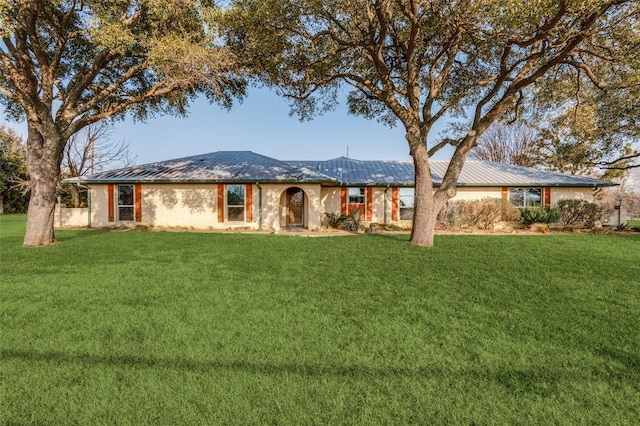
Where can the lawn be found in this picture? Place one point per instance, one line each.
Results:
(193, 328)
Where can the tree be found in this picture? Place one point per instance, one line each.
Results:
(90, 151)
(419, 62)
(514, 143)
(66, 64)
(588, 118)
(13, 167)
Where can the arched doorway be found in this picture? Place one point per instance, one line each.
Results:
(295, 207)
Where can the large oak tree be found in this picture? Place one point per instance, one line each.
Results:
(66, 64)
(419, 62)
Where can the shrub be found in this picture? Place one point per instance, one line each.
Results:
(574, 211)
(532, 215)
(346, 222)
(482, 214)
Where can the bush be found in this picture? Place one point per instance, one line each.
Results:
(532, 215)
(481, 214)
(575, 211)
(346, 222)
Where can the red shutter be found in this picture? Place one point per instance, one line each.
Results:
(248, 201)
(343, 200)
(547, 197)
(137, 189)
(369, 204)
(395, 201)
(111, 189)
(220, 203)
(505, 193)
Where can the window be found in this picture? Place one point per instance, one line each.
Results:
(356, 201)
(235, 203)
(406, 199)
(125, 202)
(356, 195)
(525, 197)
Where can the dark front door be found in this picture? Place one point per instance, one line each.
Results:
(295, 207)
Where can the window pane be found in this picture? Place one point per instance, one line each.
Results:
(235, 214)
(125, 195)
(533, 197)
(516, 196)
(235, 195)
(125, 213)
(406, 197)
(356, 195)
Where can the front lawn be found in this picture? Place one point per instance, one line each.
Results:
(128, 327)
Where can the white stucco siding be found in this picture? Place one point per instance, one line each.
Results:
(477, 193)
(378, 206)
(163, 205)
(180, 205)
(274, 207)
(100, 206)
(558, 194)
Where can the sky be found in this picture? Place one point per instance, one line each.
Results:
(262, 124)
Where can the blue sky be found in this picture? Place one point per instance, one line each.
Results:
(261, 123)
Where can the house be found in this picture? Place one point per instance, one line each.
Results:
(242, 189)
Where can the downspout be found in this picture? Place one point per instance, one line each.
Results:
(385, 203)
(79, 185)
(259, 206)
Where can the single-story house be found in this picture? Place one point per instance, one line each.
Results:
(242, 189)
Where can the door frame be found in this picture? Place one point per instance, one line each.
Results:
(289, 192)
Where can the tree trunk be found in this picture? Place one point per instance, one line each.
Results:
(75, 194)
(427, 206)
(44, 155)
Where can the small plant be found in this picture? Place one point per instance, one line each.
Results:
(532, 215)
(621, 226)
(335, 219)
(574, 211)
(481, 214)
(346, 222)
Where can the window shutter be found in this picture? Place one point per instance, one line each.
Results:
(137, 189)
(547, 196)
(248, 202)
(220, 203)
(369, 204)
(505, 193)
(111, 189)
(343, 200)
(395, 197)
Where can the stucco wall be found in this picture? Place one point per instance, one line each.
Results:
(99, 206)
(274, 205)
(180, 205)
(465, 193)
(195, 205)
(70, 217)
(558, 194)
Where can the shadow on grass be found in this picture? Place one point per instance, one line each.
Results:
(535, 379)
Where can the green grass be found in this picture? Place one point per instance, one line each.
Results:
(195, 328)
(633, 223)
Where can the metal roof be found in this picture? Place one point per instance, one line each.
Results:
(221, 166)
(247, 166)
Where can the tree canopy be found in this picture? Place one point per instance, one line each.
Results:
(13, 168)
(419, 62)
(66, 64)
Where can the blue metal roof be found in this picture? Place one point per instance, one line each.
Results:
(221, 166)
(247, 166)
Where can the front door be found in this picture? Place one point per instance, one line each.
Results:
(295, 207)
